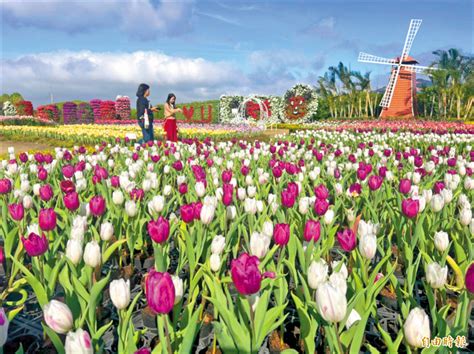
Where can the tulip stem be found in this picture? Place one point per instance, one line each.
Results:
(338, 338)
(167, 333)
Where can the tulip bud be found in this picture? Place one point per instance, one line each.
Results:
(267, 228)
(241, 193)
(215, 262)
(410, 207)
(4, 324)
(106, 231)
(332, 303)
(207, 213)
(27, 202)
(353, 318)
(160, 291)
(259, 244)
(246, 275)
(250, 206)
(465, 216)
(469, 281)
(74, 251)
(329, 217)
(347, 239)
(303, 205)
(58, 316)
(120, 293)
(417, 327)
(131, 208)
(178, 288)
(312, 231)
(218, 244)
(441, 241)
(78, 342)
(92, 254)
(436, 275)
(47, 219)
(281, 234)
(117, 197)
(317, 273)
(231, 212)
(437, 203)
(368, 245)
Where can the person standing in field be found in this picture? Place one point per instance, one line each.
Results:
(170, 125)
(145, 113)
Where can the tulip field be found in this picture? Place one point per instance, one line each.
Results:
(339, 238)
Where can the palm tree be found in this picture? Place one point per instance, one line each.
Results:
(364, 86)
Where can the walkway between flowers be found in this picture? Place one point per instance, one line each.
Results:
(21, 146)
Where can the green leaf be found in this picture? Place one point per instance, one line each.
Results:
(54, 339)
(38, 288)
(96, 291)
(190, 332)
(111, 249)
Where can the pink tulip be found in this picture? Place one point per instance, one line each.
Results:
(410, 207)
(5, 186)
(16, 211)
(355, 189)
(47, 219)
(321, 206)
(42, 174)
(115, 181)
(312, 230)
(71, 201)
(159, 291)
(347, 239)
(228, 190)
(187, 213)
(281, 234)
(46, 192)
(438, 187)
(197, 210)
(159, 230)
(143, 351)
(404, 186)
(137, 194)
(470, 278)
(178, 165)
(68, 171)
(277, 172)
(183, 188)
(67, 186)
(35, 245)
(288, 198)
(226, 176)
(246, 275)
(375, 182)
(97, 205)
(321, 192)
(23, 157)
(2, 255)
(244, 170)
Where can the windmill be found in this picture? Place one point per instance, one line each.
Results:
(399, 99)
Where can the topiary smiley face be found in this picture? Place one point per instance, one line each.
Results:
(296, 107)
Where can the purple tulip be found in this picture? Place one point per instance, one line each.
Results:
(35, 245)
(67, 186)
(178, 165)
(159, 291)
(293, 188)
(361, 173)
(228, 190)
(383, 171)
(246, 275)
(347, 239)
(355, 189)
(312, 230)
(23, 157)
(159, 230)
(277, 172)
(46, 192)
(226, 176)
(288, 198)
(321, 206)
(410, 207)
(68, 171)
(5, 186)
(47, 219)
(71, 201)
(137, 194)
(438, 187)
(281, 234)
(143, 351)
(187, 213)
(404, 186)
(321, 192)
(16, 211)
(97, 205)
(470, 278)
(183, 188)
(115, 181)
(375, 182)
(244, 170)
(42, 174)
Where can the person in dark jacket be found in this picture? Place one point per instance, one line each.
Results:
(144, 105)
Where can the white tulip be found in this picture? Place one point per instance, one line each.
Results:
(332, 303)
(106, 231)
(417, 327)
(350, 215)
(241, 193)
(218, 244)
(36, 189)
(437, 203)
(317, 273)
(27, 202)
(368, 246)
(120, 293)
(178, 288)
(117, 197)
(267, 228)
(343, 270)
(447, 195)
(58, 316)
(250, 206)
(215, 262)
(436, 275)
(78, 342)
(441, 241)
(260, 206)
(353, 318)
(131, 208)
(74, 250)
(465, 216)
(471, 227)
(200, 189)
(338, 280)
(92, 254)
(251, 191)
(167, 190)
(231, 212)
(303, 205)
(259, 244)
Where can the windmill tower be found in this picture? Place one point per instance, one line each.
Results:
(399, 99)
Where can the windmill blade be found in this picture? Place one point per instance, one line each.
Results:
(369, 58)
(412, 30)
(418, 68)
(387, 97)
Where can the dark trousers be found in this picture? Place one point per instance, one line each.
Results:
(147, 132)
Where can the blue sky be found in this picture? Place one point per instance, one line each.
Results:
(202, 49)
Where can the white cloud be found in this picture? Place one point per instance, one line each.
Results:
(324, 27)
(138, 18)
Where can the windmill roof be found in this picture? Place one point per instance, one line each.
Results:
(408, 59)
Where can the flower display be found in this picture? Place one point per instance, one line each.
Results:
(122, 107)
(69, 112)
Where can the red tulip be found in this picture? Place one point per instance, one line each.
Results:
(46, 192)
(470, 278)
(281, 234)
(246, 275)
(16, 211)
(159, 230)
(71, 201)
(404, 186)
(321, 206)
(312, 230)
(347, 240)
(159, 292)
(47, 219)
(410, 207)
(321, 192)
(35, 245)
(97, 205)
(375, 182)
(5, 186)
(187, 213)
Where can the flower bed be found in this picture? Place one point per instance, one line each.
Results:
(322, 241)
(25, 120)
